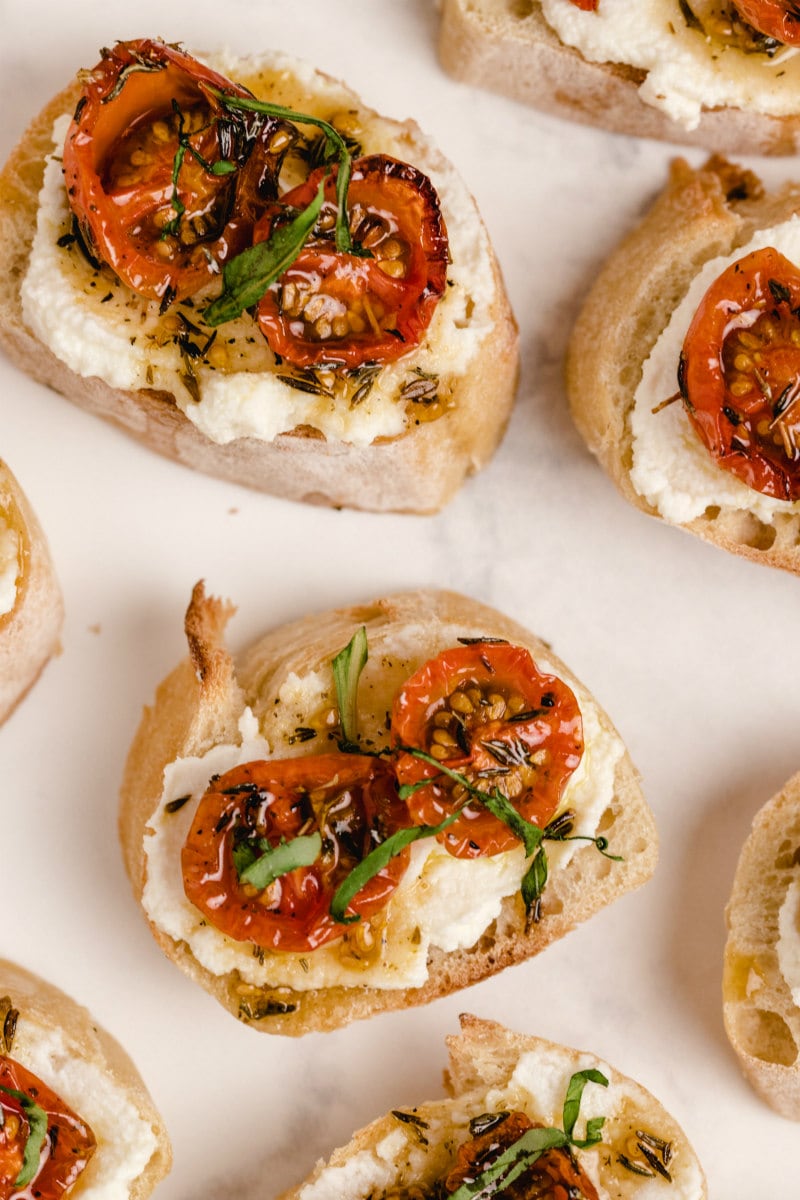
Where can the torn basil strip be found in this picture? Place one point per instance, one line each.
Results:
(572, 1105)
(347, 667)
(248, 276)
(37, 1132)
(512, 1163)
(276, 860)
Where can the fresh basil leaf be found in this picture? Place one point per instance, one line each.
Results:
(376, 860)
(247, 277)
(572, 1104)
(534, 881)
(223, 167)
(37, 1132)
(281, 859)
(512, 1163)
(244, 854)
(347, 667)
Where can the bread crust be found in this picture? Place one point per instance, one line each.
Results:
(483, 1057)
(198, 706)
(51, 1008)
(762, 1020)
(507, 46)
(29, 633)
(417, 471)
(700, 215)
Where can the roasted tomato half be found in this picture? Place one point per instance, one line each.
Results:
(371, 306)
(486, 711)
(778, 19)
(164, 181)
(555, 1175)
(740, 372)
(63, 1151)
(350, 800)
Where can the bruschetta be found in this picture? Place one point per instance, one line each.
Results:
(722, 74)
(761, 985)
(682, 366)
(246, 268)
(76, 1119)
(560, 1122)
(31, 609)
(370, 808)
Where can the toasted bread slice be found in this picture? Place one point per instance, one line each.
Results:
(703, 217)
(60, 1042)
(508, 46)
(284, 684)
(493, 1070)
(403, 439)
(761, 986)
(31, 609)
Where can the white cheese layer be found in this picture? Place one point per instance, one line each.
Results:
(686, 71)
(9, 566)
(441, 901)
(125, 1142)
(671, 467)
(98, 327)
(788, 945)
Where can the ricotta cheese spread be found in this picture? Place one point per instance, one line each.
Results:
(125, 1141)
(9, 565)
(687, 71)
(98, 327)
(441, 901)
(788, 945)
(671, 467)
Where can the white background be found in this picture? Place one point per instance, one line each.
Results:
(693, 652)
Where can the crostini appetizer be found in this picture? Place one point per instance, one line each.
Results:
(683, 374)
(761, 984)
(75, 1117)
(722, 74)
(31, 609)
(255, 274)
(373, 807)
(525, 1117)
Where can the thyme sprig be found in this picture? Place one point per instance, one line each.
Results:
(36, 1118)
(521, 1155)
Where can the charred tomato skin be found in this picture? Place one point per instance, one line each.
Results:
(371, 306)
(739, 372)
(351, 800)
(505, 724)
(68, 1145)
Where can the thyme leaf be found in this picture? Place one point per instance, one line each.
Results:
(276, 860)
(347, 667)
(37, 1132)
(247, 277)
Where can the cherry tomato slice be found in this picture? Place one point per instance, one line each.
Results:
(587, 5)
(347, 310)
(350, 799)
(740, 372)
(67, 1147)
(779, 19)
(555, 1175)
(486, 711)
(164, 237)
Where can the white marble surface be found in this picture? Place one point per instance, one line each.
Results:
(691, 651)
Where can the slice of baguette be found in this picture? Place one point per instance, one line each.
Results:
(491, 1070)
(417, 470)
(30, 629)
(762, 1019)
(507, 46)
(199, 706)
(700, 215)
(60, 1041)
